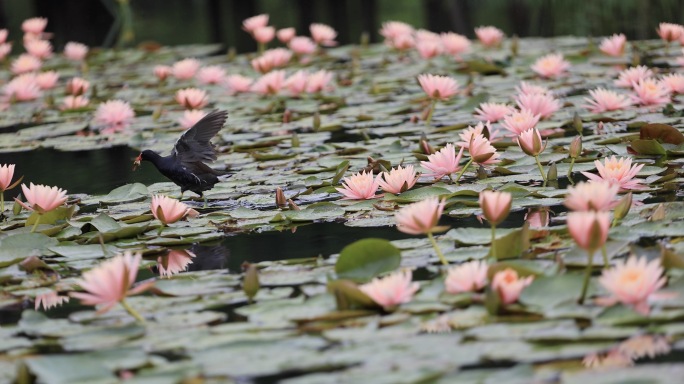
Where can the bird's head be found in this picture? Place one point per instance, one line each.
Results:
(137, 161)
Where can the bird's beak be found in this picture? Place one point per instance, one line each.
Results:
(137, 161)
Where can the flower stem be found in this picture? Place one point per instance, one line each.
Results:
(2, 201)
(587, 276)
(464, 169)
(541, 170)
(494, 241)
(572, 164)
(262, 48)
(437, 250)
(433, 103)
(604, 252)
(35, 225)
(132, 311)
(161, 228)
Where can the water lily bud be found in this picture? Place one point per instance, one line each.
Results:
(622, 207)
(514, 46)
(294, 141)
(530, 142)
(365, 39)
(425, 147)
(576, 147)
(552, 174)
(577, 123)
(316, 121)
(250, 281)
(495, 205)
(280, 199)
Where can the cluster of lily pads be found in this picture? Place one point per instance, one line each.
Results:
(497, 129)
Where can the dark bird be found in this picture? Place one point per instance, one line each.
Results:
(185, 165)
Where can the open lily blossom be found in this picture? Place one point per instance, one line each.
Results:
(174, 262)
(614, 45)
(520, 121)
(650, 92)
(471, 132)
(34, 25)
(402, 43)
(40, 49)
(77, 86)
(49, 300)
(670, 32)
(551, 65)
(392, 29)
(438, 87)
(398, 180)
(391, 290)
(444, 162)
(286, 34)
(254, 22)
(323, 34)
(628, 77)
(493, 112)
(603, 100)
(114, 115)
(360, 186)
(41, 198)
(71, 102)
(675, 82)
(592, 196)
(47, 80)
(489, 36)
(296, 83)
(238, 83)
(269, 84)
(542, 104)
(467, 277)
(633, 282)
(427, 49)
(509, 285)
(455, 44)
(191, 117)
(192, 98)
(22, 88)
(185, 69)
(162, 71)
(212, 74)
(168, 210)
(264, 35)
(618, 171)
(319, 81)
(302, 45)
(25, 63)
(75, 51)
(421, 217)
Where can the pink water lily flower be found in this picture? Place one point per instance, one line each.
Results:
(47, 80)
(6, 175)
(526, 88)
(633, 75)
(438, 87)
(111, 282)
(77, 86)
(542, 104)
(495, 205)
(455, 44)
(323, 34)
(270, 83)
(212, 74)
(162, 71)
(74, 102)
(319, 81)
(479, 129)
(443, 162)
(420, 218)
(25, 63)
(191, 117)
(297, 82)
(263, 35)
(670, 32)
(40, 49)
(302, 45)
(192, 98)
(34, 25)
(650, 92)
(531, 142)
(391, 290)
(428, 49)
(551, 65)
(75, 51)
(493, 112)
(603, 100)
(633, 282)
(467, 277)
(251, 23)
(168, 210)
(238, 83)
(592, 196)
(392, 29)
(22, 88)
(398, 180)
(185, 69)
(674, 81)
(520, 121)
(481, 150)
(174, 262)
(41, 198)
(509, 286)
(589, 229)
(614, 45)
(286, 34)
(114, 115)
(617, 171)
(489, 36)
(49, 299)
(360, 186)
(402, 42)
(272, 58)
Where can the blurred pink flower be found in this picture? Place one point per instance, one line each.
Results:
(420, 218)
(509, 286)
(111, 282)
(270, 83)
(481, 150)
(402, 42)
(603, 100)
(251, 23)
(443, 163)
(272, 58)
(302, 45)
(191, 117)
(455, 44)
(238, 83)
(423, 35)
(114, 115)
(640, 346)
(530, 142)
(467, 277)
(168, 210)
(392, 29)
(650, 92)
(589, 229)
(495, 205)
(49, 299)
(398, 179)
(526, 88)
(318, 81)
(185, 69)
(391, 290)
(25, 63)
(614, 45)
(538, 218)
(633, 282)
(438, 87)
(212, 74)
(675, 82)
(22, 88)
(296, 83)
(74, 102)
(192, 98)
(617, 171)
(5, 49)
(40, 49)
(162, 71)
(75, 51)
(632, 75)
(41, 198)
(47, 80)
(520, 121)
(542, 104)
(670, 32)
(360, 186)
(592, 196)
(34, 25)
(286, 34)
(174, 262)
(493, 112)
(77, 86)
(323, 34)
(264, 35)
(428, 49)
(6, 175)
(551, 65)
(489, 36)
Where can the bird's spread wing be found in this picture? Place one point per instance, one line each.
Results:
(194, 144)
